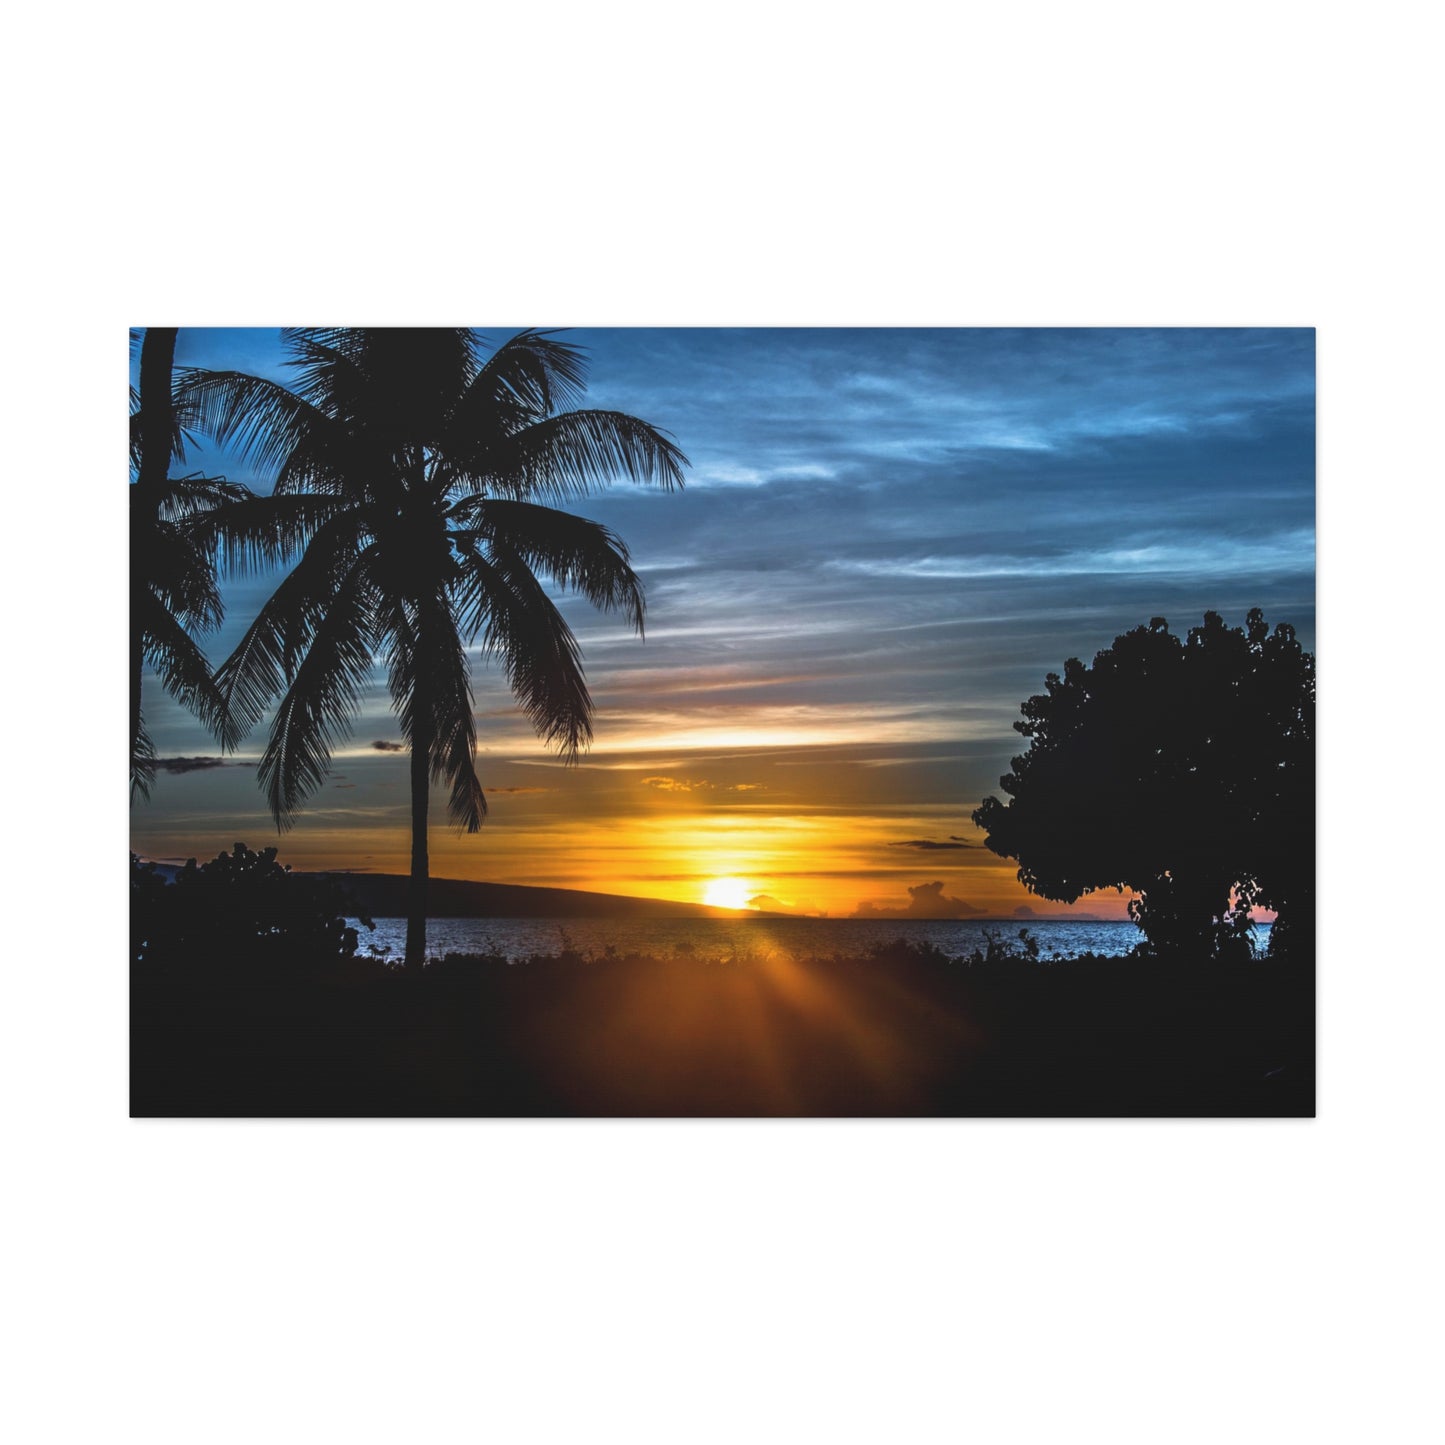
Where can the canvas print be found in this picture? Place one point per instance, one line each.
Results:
(664, 722)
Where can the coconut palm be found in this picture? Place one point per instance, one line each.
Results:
(426, 473)
(173, 583)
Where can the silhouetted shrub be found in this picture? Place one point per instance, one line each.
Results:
(243, 909)
(1182, 769)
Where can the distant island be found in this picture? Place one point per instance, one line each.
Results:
(384, 895)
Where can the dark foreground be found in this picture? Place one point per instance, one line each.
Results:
(903, 1032)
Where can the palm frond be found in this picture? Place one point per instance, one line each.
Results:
(574, 453)
(178, 573)
(185, 497)
(529, 376)
(466, 803)
(253, 533)
(523, 381)
(338, 463)
(267, 656)
(142, 765)
(454, 728)
(178, 661)
(314, 715)
(135, 433)
(429, 663)
(261, 420)
(576, 553)
(500, 601)
(184, 423)
(327, 361)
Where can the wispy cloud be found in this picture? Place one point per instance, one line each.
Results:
(678, 785)
(1175, 557)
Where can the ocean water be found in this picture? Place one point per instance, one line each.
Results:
(721, 938)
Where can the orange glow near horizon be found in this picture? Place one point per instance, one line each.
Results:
(789, 856)
(817, 830)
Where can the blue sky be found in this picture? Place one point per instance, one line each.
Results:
(886, 539)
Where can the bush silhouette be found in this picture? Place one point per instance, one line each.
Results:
(242, 909)
(1182, 769)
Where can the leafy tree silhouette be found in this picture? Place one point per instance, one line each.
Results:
(423, 471)
(173, 588)
(1182, 769)
(241, 909)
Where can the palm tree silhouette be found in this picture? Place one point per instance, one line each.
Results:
(420, 472)
(173, 588)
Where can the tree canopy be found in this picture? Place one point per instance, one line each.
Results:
(417, 479)
(1181, 769)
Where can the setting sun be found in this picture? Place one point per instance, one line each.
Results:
(728, 893)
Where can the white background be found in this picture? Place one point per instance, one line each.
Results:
(783, 163)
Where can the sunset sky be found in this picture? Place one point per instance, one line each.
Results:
(886, 539)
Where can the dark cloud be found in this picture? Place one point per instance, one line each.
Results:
(925, 901)
(194, 765)
(382, 746)
(766, 903)
(927, 845)
(493, 792)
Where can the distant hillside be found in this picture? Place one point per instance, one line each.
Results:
(384, 895)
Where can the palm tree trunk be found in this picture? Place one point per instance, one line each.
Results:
(420, 792)
(157, 357)
(157, 409)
